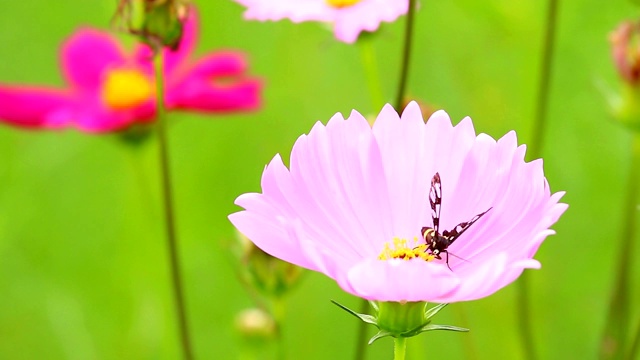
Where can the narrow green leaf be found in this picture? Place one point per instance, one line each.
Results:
(364, 317)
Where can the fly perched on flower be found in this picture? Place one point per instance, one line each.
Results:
(439, 243)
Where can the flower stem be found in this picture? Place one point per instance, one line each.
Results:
(535, 151)
(168, 210)
(406, 55)
(399, 348)
(635, 346)
(361, 338)
(367, 52)
(540, 120)
(277, 311)
(617, 326)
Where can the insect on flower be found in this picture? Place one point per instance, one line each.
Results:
(438, 243)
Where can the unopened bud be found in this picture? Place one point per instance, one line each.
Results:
(255, 324)
(626, 51)
(157, 23)
(269, 275)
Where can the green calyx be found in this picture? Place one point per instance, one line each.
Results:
(162, 25)
(401, 319)
(158, 23)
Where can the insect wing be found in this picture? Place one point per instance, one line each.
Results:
(435, 199)
(462, 227)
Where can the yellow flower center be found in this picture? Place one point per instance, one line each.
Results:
(125, 88)
(401, 250)
(342, 3)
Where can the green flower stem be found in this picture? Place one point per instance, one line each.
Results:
(367, 52)
(277, 311)
(361, 338)
(168, 210)
(635, 345)
(406, 55)
(535, 151)
(617, 327)
(399, 348)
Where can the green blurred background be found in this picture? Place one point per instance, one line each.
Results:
(83, 262)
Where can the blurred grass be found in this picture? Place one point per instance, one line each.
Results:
(83, 271)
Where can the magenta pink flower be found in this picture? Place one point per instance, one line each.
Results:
(348, 17)
(110, 89)
(353, 194)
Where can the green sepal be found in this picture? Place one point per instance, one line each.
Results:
(426, 326)
(432, 327)
(369, 319)
(379, 335)
(434, 310)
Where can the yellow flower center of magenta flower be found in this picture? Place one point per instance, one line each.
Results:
(125, 88)
(342, 3)
(405, 251)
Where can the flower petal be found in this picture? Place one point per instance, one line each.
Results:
(400, 280)
(216, 83)
(34, 107)
(86, 55)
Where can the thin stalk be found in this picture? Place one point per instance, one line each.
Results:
(617, 327)
(540, 120)
(635, 345)
(278, 310)
(174, 259)
(535, 151)
(406, 55)
(361, 338)
(399, 348)
(367, 52)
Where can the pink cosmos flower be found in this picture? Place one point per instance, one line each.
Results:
(110, 89)
(350, 190)
(348, 17)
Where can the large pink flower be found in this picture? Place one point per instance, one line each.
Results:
(351, 189)
(110, 89)
(348, 17)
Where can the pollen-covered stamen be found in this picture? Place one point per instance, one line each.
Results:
(125, 88)
(342, 3)
(402, 250)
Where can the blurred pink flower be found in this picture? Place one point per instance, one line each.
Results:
(348, 17)
(350, 190)
(110, 89)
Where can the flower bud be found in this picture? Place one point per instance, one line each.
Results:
(255, 324)
(626, 51)
(158, 23)
(271, 276)
(625, 47)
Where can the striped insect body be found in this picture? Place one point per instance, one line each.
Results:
(438, 243)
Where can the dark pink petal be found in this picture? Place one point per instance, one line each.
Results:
(33, 107)
(216, 83)
(86, 55)
(93, 117)
(220, 63)
(202, 95)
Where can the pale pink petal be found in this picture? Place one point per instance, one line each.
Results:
(295, 10)
(351, 189)
(86, 55)
(366, 16)
(348, 22)
(400, 280)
